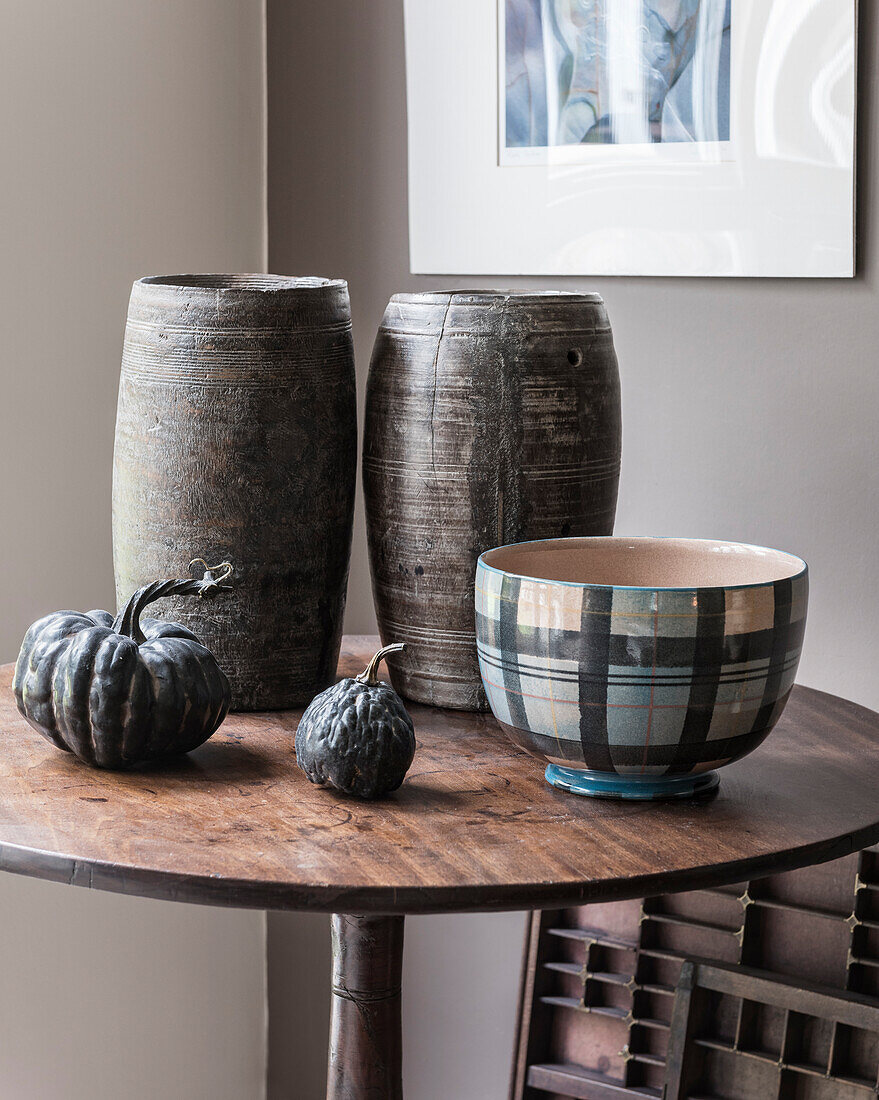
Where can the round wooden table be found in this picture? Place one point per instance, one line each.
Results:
(474, 827)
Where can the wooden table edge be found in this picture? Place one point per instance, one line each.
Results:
(412, 900)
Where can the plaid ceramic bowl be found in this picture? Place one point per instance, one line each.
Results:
(636, 666)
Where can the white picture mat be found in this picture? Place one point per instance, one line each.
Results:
(777, 200)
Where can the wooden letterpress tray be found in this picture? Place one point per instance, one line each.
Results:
(737, 1034)
(598, 981)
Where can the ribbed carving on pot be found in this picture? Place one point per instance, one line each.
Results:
(490, 418)
(236, 438)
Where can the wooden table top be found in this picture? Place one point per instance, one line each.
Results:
(474, 827)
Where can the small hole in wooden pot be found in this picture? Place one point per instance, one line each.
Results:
(575, 357)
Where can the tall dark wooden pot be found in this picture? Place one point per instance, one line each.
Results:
(490, 418)
(236, 440)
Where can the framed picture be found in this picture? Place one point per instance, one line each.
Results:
(632, 137)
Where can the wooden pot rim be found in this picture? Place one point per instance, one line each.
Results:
(239, 283)
(479, 296)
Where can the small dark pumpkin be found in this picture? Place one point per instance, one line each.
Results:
(119, 692)
(356, 736)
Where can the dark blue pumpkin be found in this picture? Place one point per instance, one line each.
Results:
(119, 692)
(356, 736)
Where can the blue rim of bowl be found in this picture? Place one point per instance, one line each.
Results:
(640, 587)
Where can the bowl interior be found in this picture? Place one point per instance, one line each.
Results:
(645, 562)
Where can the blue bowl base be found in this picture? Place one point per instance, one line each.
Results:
(602, 785)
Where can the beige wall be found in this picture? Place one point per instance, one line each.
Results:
(105, 997)
(132, 141)
(749, 413)
(460, 990)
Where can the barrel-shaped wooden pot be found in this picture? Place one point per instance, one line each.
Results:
(236, 440)
(491, 418)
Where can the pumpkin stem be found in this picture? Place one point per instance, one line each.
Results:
(368, 676)
(127, 622)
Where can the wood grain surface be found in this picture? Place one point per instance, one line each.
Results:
(366, 1027)
(738, 1033)
(236, 440)
(491, 417)
(474, 827)
(598, 982)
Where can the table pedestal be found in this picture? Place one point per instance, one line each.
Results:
(366, 1043)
